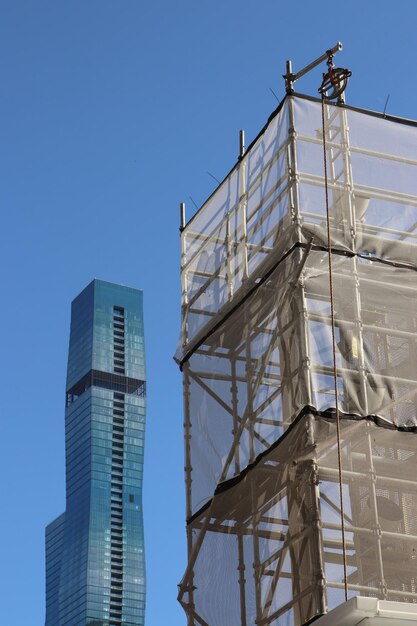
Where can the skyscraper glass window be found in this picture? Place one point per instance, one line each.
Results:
(95, 563)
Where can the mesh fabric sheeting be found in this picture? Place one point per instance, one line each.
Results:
(273, 356)
(275, 197)
(268, 548)
(256, 353)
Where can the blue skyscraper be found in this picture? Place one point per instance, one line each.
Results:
(95, 563)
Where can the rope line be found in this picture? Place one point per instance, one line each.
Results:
(339, 454)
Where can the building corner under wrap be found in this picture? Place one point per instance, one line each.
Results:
(262, 475)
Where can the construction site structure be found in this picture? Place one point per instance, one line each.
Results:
(300, 388)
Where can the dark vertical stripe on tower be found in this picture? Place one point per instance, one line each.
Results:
(116, 524)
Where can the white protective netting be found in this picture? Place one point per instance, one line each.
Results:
(275, 197)
(256, 353)
(273, 356)
(268, 549)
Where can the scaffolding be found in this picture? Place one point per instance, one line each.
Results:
(264, 522)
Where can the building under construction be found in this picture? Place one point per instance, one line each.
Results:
(299, 357)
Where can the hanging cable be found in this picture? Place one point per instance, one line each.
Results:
(332, 317)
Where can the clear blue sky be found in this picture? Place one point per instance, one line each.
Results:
(111, 113)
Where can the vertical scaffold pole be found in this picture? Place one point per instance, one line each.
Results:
(294, 206)
(242, 579)
(250, 390)
(345, 145)
(184, 276)
(241, 144)
(243, 219)
(229, 257)
(256, 553)
(235, 408)
(188, 485)
(318, 549)
(373, 503)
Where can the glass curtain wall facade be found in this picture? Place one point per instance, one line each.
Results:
(95, 562)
